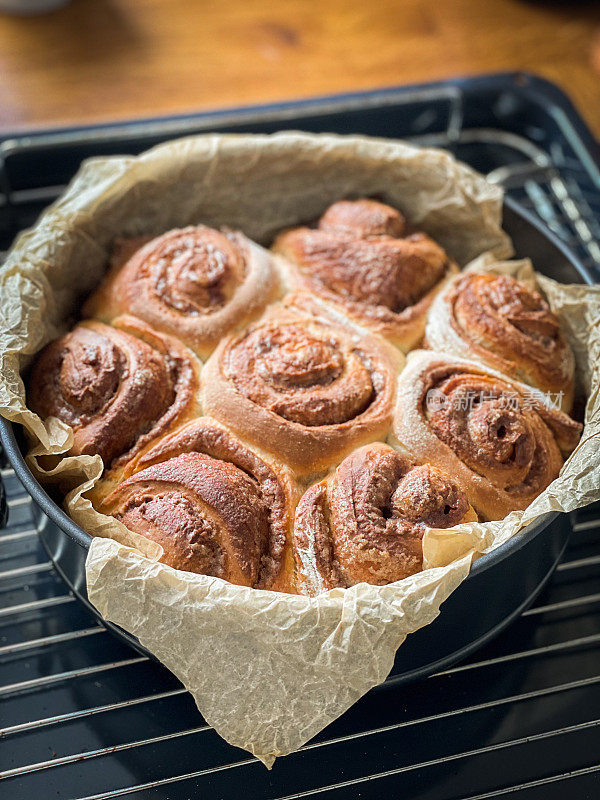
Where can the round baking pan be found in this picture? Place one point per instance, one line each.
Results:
(500, 585)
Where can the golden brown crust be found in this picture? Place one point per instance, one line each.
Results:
(214, 505)
(499, 321)
(497, 437)
(117, 386)
(366, 521)
(363, 219)
(194, 283)
(361, 259)
(304, 388)
(300, 389)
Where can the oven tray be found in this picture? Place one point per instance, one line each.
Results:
(84, 716)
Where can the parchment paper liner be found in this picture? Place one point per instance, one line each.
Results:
(267, 670)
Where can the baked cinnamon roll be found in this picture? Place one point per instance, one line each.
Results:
(117, 386)
(194, 283)
(363, 259)
(366, 521)
(304, 388)
(214, 505)
(499, 438)
(500, 322)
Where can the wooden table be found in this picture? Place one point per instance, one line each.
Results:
(101, 60)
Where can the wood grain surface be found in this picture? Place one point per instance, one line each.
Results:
(101, 60)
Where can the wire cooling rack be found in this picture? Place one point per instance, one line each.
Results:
(83, 716)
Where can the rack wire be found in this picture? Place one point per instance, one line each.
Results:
(83, 716)
(80, 710)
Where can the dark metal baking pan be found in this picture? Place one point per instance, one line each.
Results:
(501, 584)
(83, 716)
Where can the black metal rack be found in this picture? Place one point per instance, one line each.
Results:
(83, 716)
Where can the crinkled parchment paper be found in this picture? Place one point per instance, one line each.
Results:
(267, 670)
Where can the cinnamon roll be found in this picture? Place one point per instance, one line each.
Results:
(500, 322)
(499, 438)
(363, 259)
(214, 505)
(366, 521)
(194, 283)
(117, 386)
(304, 388)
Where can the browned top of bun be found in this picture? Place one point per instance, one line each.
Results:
(362, 257)
(502, 322)
(497, 436)
(366, 522)
(236, 480)
(304, 388)
(196, 283)
(115, 389)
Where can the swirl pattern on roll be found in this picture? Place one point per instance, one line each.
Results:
(366, 522)
(498, 437)
(195, 283)
(362, 258)
(499, 321)
(117, 387)
(215, 506)
(303, 388)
